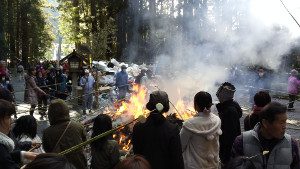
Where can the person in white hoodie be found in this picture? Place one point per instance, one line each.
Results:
(200, 135)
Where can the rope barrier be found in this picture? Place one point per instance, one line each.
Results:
(109, 132)
(42, 87)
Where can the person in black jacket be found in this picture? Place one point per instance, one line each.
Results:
(9, 159)
(157, 139)
(42, 99)
(230, 113)
(261, 99)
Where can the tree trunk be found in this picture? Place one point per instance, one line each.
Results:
(24, 33)
(2, 39)
(17, 24)
(11, 30)
(93, 15)
(76, 21)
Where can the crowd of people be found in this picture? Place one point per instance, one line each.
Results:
(208, 140)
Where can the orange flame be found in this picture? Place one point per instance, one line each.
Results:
(185, 110)
(127, 145)
(136, 103)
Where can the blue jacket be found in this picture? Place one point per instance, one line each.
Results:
(122, 79)
(87, 83)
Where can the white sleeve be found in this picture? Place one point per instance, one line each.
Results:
(184, 138)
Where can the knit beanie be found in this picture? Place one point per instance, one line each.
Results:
(225, 92)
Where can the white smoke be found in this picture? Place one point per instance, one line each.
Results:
(226, 38)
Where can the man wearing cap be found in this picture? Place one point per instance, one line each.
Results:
(87, 83)
(122, 82)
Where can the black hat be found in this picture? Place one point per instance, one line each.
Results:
(158, 97)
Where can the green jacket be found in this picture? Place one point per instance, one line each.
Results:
(75, 134)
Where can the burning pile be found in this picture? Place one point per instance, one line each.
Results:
(136, 103)
(127, 110)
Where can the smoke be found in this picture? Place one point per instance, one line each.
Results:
(199, 55)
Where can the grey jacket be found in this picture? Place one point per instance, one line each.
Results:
(279, 158)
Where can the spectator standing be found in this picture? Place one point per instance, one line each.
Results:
(20, 71)
(261, 99)
(61, 79)
(122, 82)
(32, 91)
(64, 133)
(268, 145)
(293, 88)
(200, 135)
(261, 82)
(105, 151)
(9, 159)
(157, 139)
(51, 82)
(230, 113)
(142, 78)
(87, 83)
(42, 99)
(25, 130)
(3, 69)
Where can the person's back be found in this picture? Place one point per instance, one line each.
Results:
(121, 79)
(122, 82)
(63, 134)
(200, 135)
(105, 152)
(261, 99)
(156, 142)
(157, 139)
(229, 112)
(107, 158)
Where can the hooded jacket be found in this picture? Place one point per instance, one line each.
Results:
(200, 141)
(230, 113)
(75, 134)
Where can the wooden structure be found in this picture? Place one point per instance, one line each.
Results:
(76, 61)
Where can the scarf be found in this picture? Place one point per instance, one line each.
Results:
(7, 142)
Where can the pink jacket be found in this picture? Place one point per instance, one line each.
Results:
(293, 85)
